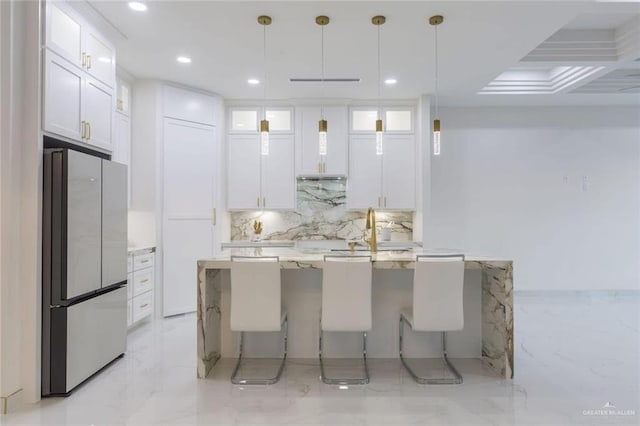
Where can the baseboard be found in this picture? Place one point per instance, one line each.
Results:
(9, 404)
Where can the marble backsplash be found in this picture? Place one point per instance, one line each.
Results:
(320, 214)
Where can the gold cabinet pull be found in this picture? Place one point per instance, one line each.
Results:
(385, 201)
(144, 260)
(324, 167)
(84, 59)
(258, 202)
(319, 169)
(379, 202)
(88, 130)
(144, 306)
(214, 218)
(88, 62)
(264, 202)
(84, 129)
(146, 280)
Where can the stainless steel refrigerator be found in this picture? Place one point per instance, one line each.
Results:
(84, 296)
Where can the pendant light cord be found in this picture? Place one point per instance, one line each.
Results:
(322, 71)
(436, 70)
(379, 84)
(264, 67)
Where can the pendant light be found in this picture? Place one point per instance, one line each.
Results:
(435, 21)
(377, 21)
(264, 123)
(322, 124)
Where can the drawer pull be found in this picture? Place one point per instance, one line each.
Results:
(144, 261)
(144, 306)
(144, 281)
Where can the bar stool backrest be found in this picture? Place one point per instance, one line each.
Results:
(255, 294)
(346, 293)
(438, 282)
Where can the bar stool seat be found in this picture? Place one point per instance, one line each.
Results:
(256, 293)
(346, 305)
(437, 305)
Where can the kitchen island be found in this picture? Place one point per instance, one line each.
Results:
(488, 300)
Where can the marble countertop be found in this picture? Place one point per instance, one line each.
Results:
(290, 258)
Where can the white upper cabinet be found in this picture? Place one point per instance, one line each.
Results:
(63, 87)
(97, 106)
(99, 57)
(257, 181)
(278, 178)
(122, 146)
(123, 96)
(309, 161)
(71, 37)
(386, 181)
(64, 32)
(79, 83)
(243, 189)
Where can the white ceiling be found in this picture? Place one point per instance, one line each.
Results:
(477, 42)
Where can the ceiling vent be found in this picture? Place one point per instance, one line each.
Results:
(324, 80)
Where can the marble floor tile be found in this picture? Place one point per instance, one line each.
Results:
(574, 353)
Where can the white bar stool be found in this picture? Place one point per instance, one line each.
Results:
(346, 304)
(438, 282)
(256, 305)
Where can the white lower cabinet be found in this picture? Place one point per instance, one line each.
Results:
(140, 286)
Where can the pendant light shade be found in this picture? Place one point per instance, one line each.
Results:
(322, 124)
(264, 123)
(378, 21)
(435, 21)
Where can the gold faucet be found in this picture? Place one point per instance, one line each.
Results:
(371, 224)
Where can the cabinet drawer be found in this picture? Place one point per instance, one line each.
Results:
(130, 263)
(142, 281)
(129, 286)
(142, 306)
(142, 261)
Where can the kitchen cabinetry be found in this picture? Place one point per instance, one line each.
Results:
(122, 145)
(75, 105)
(309, 161)
(79, 70)
(71, 37)
(140, 285)
(386, 181)
(258, 181)
(123, 97)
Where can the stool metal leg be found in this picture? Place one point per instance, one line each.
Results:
(336, 381)
(425, 380)
(239, 381)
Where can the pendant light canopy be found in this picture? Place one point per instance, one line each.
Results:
(322, 124)
(435, 21)
(264, 123)
(378, 21)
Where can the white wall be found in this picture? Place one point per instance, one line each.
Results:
(555, 189)
(20, 204)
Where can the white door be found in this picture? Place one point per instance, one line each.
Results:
(97, 111)
(189, 165)
(278, 179)
(62, 97)
(399, 172)
(243, 172)
(100, 60)
(64, 32)
(365, 170)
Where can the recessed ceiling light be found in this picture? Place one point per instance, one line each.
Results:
(183, 59)
(253, 81)
(137, 6)
(390, 81)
